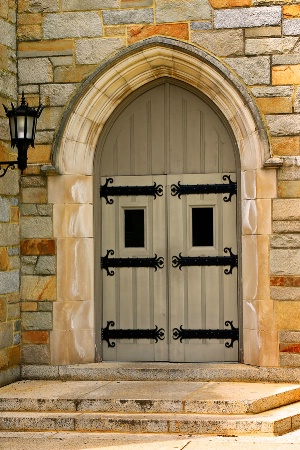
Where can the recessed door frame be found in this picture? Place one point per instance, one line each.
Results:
(75, 157)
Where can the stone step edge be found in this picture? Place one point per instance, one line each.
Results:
(142, 406)
(161, 372)
(154, 423)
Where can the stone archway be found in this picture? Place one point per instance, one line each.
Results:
(74, 157)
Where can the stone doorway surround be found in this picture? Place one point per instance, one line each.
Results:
(75, 158)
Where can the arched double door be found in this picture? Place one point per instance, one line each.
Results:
(168, 230)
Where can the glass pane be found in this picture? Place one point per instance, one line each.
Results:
(134, 228)
(202, 227)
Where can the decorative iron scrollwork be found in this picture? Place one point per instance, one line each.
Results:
(107, 334)
(157, 262)
(186, 189)
(232, 334)
(232, 261)
(114, 191)
(9, 164)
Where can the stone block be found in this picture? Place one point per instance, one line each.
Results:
(248, 17)
(291, 27)
(287, 209)
(297, 100)
(115, 30)
(36, 227)
(179, 11)
(45, 306)
(29, 306)
(8, 86)
(6, 334)
(9, 185)
(50, 118)
(8, 33)
(38, 287)
(35, 71)
(285, 241)
(44, 48)
(93, 51)
(135, 3)
(254, 70)
(286, 60)
(78, 5)
(290, 171)
(4, 209)
(71, 75)
(283, 226)
(14, 262)
(35, 354)
(9, 282)
(285, 146)
(263, 32)
(36, 321)
(291, 11)
(289, 74)
(73, 220)
(35, 337)
(283, 125)
(284, 262)
(35, 6)
(56, 94)
(38, 247)
(73, 24)
(9, 234)
(269, 45)
(70, 189)
(14, 355)
(285, 293)
(46, 265)
(217, 4)
(289, 360)
(34, 195)
(28, 265)
(33, 181)
(277, 105)
(221, 43)
(289, 189)
(61, 61)
(289, 336)
(30, 32)
(13, 311)
(124, 16)
(175, 30)
(197, 26)
(3, 306)
(287, 315)
(4, 260)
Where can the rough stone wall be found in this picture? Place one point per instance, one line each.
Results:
(10, 333)
(61, 42)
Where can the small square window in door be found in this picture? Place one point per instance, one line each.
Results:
(134, 221)
(202, 227)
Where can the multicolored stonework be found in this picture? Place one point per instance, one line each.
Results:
(81, 59)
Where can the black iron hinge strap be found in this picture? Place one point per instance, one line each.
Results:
(117, 191)
(157, 262)
(232, 334)
(107, 334)
(182, 261)
(187, 189)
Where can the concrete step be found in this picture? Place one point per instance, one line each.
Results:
(190, 407)
(147, 396)
(162, 371)
(279, 421)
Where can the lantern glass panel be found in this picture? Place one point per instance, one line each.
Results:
(12, 127)
(29, 132)
(21, 126)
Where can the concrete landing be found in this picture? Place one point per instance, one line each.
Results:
(150, 407)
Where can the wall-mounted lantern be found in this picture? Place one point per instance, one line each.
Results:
(22, 125)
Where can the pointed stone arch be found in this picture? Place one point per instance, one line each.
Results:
(75, 151)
